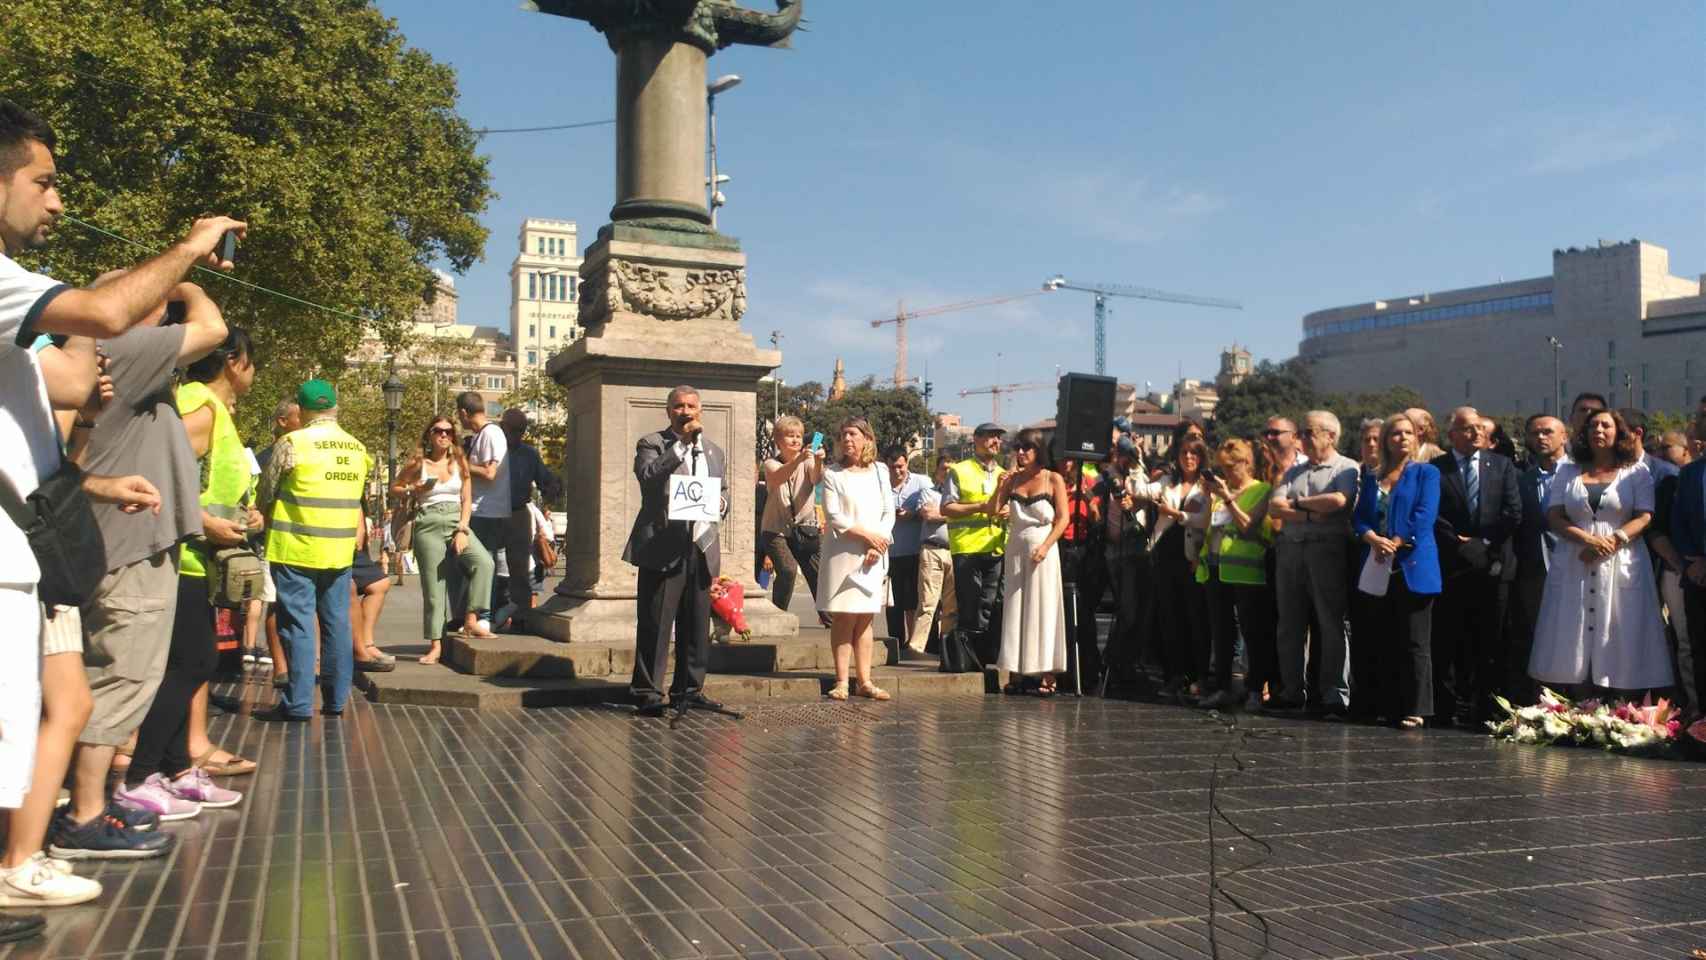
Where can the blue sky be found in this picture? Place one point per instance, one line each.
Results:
(1291, 159)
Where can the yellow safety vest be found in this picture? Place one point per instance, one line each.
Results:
(978, 533)
(317, 506)
(224, 470)
(1238, 558)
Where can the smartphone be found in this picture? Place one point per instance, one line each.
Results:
(228, 247)
(817, 442)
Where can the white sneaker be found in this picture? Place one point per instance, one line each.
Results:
(40, 883)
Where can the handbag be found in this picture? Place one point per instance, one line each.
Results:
(58, 519)
(546, 551)
(235, 575)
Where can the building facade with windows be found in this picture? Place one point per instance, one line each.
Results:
(1625, 327)
(544, 292)
(459, 356)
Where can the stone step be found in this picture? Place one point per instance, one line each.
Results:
(512, 655)
(437, 686)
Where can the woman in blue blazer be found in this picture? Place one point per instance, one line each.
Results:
(1394, 518)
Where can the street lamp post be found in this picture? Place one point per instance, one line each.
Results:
(714, 198)
(393, 389)
(1557, 401)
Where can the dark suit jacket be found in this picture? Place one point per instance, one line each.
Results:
(1532, 534)
(1688, 513)
(1413, 508)
(656, 542)
(1498, 518)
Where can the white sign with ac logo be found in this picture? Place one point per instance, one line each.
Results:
(695, 498)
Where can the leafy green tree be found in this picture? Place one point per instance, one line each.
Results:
(797, 400)
(548, 415)
(1271, 390)
(312, 120)
(1353, 408)
(897, 415)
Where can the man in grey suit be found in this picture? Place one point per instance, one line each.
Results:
(678, 559)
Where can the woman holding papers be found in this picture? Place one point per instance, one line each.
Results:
(859, 512)
(1395, 516)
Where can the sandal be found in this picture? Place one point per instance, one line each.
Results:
(838, 692)
(372, 652)
(1046, 687)
(1411, 723)
(871, 691)
(235, 767)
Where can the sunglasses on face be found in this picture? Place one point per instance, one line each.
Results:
(1275, 433)
(443, 432)
(1029, 447)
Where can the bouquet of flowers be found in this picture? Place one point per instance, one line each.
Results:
(728, 602)
(1627, 727)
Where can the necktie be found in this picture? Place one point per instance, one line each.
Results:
(1472, 486)
(704, 532)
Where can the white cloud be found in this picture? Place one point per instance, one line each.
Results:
(1579, 143)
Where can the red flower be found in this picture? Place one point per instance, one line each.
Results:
(728, 602)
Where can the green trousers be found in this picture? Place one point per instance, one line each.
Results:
(448, 578)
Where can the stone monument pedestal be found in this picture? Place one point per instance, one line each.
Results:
(662, 308)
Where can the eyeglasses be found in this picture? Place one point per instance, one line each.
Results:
(443, 432)
(1276, 433)
(1029, 447)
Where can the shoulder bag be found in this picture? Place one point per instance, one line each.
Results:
(58, 519)
(235, 575)
(802, 537)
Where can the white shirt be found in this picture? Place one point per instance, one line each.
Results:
(29, 445)
(491, 497)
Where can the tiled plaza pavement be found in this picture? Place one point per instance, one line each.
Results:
(976, 827)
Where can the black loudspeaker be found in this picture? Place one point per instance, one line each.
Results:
(1083, 419)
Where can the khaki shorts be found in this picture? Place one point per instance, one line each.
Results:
(62, 630)
(127, 634)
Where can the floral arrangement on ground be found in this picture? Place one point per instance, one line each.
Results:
(1644, 729)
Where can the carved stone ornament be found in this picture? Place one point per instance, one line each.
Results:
(707, 24)
(671, 293)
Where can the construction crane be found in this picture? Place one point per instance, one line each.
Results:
(996, 390)
(901, 316)
(1102, 291)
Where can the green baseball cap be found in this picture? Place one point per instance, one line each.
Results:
(316, 395)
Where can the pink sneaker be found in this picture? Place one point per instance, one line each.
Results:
(155, 795)
(197, 787)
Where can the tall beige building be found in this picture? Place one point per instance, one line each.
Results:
(544, 293)
(1627, 329)
(459, 356)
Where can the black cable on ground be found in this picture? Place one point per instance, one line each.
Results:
(1236, 737)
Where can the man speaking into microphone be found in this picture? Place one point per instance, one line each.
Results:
(680, 472)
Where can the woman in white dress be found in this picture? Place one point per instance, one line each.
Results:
(858, 509)
(1599, 620)
(1033, 618)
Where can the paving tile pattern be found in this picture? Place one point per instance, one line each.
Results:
(970, 827)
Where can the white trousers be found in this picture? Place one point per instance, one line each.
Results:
(20, 691)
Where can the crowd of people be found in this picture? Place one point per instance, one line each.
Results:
(142, 540)
(1411, 584)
